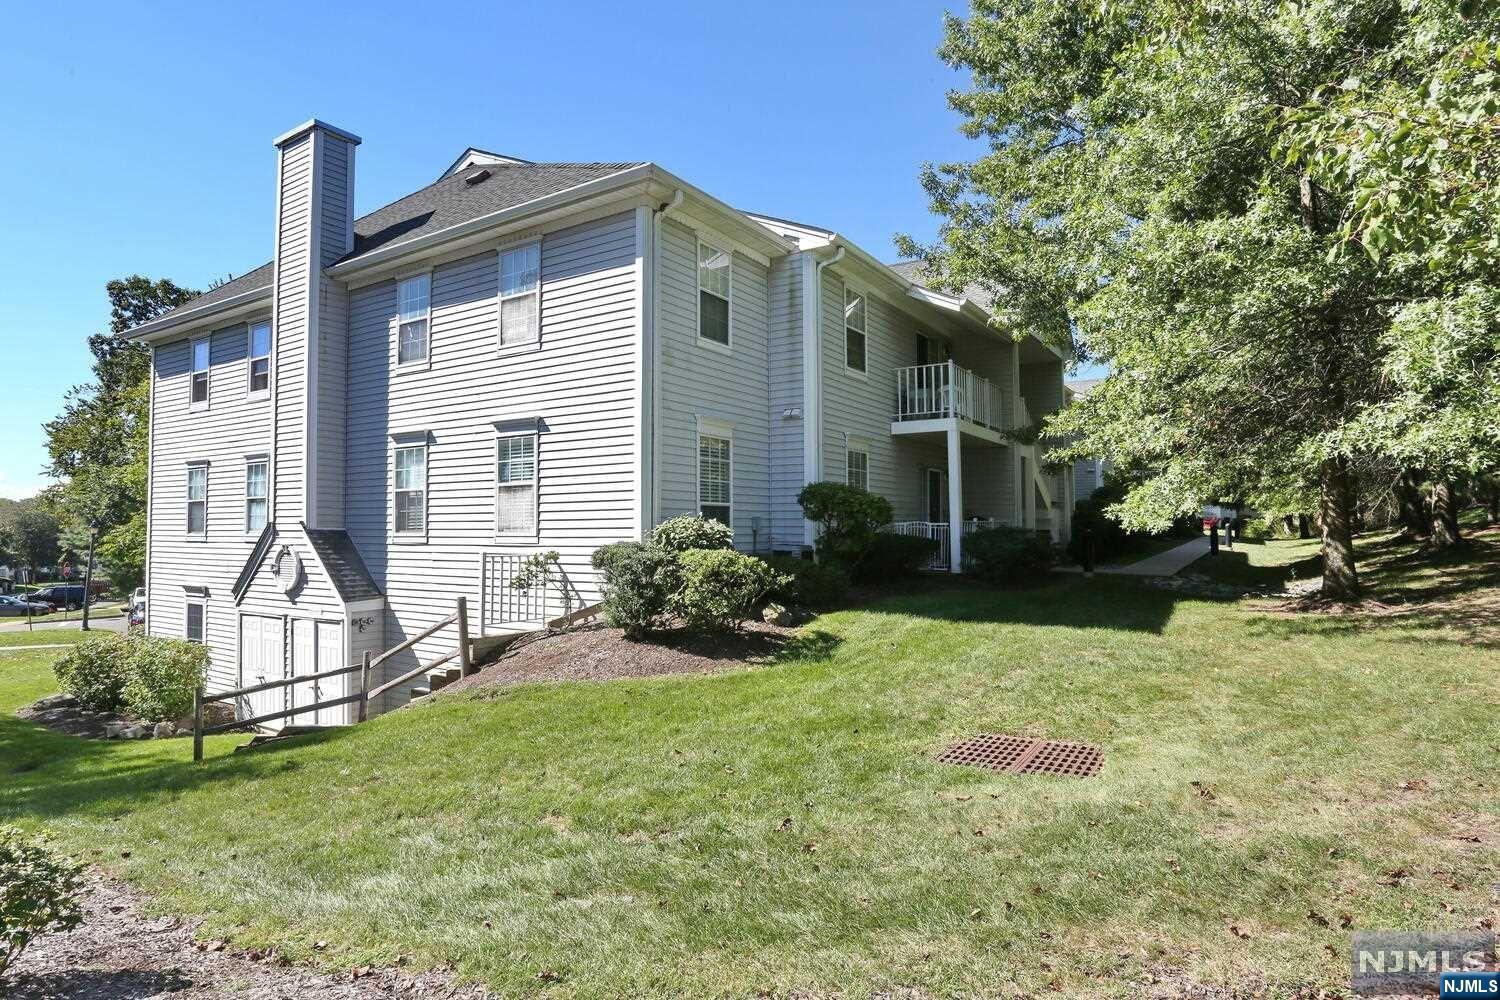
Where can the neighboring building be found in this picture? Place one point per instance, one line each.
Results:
(522, 357)
(1088, 473)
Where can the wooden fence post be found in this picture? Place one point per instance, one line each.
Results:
(198, 725)
(364, 687)
(465, 666)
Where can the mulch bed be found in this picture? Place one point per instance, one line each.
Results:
(121, 954)
(600, 653)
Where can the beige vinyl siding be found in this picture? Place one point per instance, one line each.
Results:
(294, 270)
(784, 357)
(580, 382)
(232, 427)
(696, 381)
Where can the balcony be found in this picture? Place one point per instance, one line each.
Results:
(929, 396)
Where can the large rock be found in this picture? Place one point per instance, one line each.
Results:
(163, 730)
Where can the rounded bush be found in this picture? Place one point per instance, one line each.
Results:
(1004, 555)
(679, 534)
(850, 518)
(640, 582)
(95, 670)
(40, 893)
(893, 557)
(808, 584)
(162, 676)
(722, 589)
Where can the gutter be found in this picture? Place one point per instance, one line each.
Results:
(650, 364)
(146, 330)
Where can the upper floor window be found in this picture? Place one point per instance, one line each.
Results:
(413, 305)
(520, 309)
(410, 487)
(713, 293)
(197, 500)
(193, 625)
(257, 494)
(198, 394)
(858, 468)
(515, 502)
(260, 358)
(854, 330)
(715, 477)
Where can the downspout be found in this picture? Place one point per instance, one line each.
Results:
(812, 373)
(651, 358)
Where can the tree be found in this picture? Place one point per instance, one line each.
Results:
(1137, 193)
(34, 536)
(97, 445)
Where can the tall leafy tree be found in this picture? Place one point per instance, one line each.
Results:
(1137, 192)
(34, 536)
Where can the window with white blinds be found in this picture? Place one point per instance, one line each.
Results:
(257, 495)
(516, 474)
(715, 478)
(410, 489)
(197, 500)
(520, 295)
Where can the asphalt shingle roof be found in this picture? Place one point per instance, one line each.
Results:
(913, 271)
(343, 563)
(447, 202)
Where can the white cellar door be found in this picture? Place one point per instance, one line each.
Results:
(304, 661)
(262, 658)
(330, 657)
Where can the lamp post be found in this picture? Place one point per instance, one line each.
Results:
(88, 574)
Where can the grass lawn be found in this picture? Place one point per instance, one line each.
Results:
(1267, 778)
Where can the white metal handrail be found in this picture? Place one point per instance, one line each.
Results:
(940, 532)
(943, 390)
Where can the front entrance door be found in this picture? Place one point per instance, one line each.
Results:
(318, 646)
(262, 658)
(937, 496)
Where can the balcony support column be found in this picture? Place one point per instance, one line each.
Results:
(955, 501)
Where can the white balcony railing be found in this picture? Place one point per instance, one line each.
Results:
(943, 390)
(939, 531)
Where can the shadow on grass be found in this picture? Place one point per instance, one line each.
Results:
(1101, 602)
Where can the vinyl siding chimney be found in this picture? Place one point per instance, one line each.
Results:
(314, 228)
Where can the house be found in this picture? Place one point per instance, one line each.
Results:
(1088, 473)
(525, 357)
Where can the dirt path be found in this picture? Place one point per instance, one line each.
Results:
(119, 954)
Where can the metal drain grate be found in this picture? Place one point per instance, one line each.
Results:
(1024, 755)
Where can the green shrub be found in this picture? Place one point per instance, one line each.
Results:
(850, 519)
(640, 581)
(1111, 541)
(162, 675)
(39, 893)
(1002, 555)
(95, 671)
(889, 556)
(721, 589)
(808, 584)
(678, 534)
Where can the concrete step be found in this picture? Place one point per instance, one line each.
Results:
(420, 692)
(438, 679)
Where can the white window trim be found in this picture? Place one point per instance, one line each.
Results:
(187, 504)
(713, 345)
(857, 447)
(416, 439)
(208, 373)
(843, 310)
(536, 488)
(719, 429)
(250, 392)
(397, 365)
(501, 298)
(260, 458)
(202, 605)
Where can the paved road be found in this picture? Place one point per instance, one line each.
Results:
(115, 624)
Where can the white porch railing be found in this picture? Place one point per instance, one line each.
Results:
(939, 531)
(943, 390)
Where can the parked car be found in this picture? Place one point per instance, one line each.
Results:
(12, 606)
(67, 597)
(138, 599)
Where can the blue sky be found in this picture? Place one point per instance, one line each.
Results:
(137, 138)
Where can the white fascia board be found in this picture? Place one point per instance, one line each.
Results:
(169, 327)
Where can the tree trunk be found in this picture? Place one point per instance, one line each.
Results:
(1340, 578)
(1304, 530)
(1444, 516)
(1412, 513)
(1495, 504)
(1289, 525)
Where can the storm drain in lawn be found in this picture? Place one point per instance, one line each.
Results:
(1024, 755)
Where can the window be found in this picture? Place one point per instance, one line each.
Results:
(199, 391)
(520, 270)
(858, 468)
(260, 358)
(413, 312)
(193, 630)
(257, 495)
(854, 330)
(411, 490)
(714, 477)
(713, 293)
(515, 503)
(197, 500)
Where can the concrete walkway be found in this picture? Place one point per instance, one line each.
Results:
(1166, 563)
